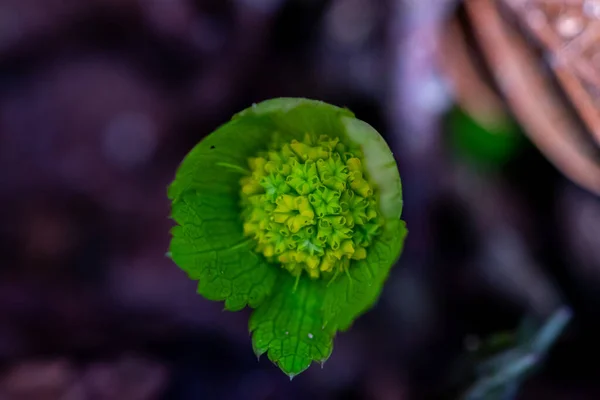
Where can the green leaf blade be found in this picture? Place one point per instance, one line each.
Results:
(289, 327)
(351, 295)
(209, 245)
(296, 117)
(380, 164)
(217, 163)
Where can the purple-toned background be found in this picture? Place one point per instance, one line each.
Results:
(101, 99)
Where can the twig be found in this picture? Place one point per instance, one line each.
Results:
(572, 62)
(534, 103)
(469, 87)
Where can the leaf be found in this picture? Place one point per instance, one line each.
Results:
(209, 245)
(488, 143)
(208, 242)
(217, 163)
(380, 164)
(289, 327)
(299, 116)
(350, 296)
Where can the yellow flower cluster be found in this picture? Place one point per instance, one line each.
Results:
(309, 206)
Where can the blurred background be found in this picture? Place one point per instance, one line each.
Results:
(491, 108)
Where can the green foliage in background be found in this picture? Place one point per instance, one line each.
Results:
(488, 146)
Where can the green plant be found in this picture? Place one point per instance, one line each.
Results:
(292, 208)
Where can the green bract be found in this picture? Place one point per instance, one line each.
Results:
(292, 208)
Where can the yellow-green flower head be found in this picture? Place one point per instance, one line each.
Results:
(309, 205)
(292, 208)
